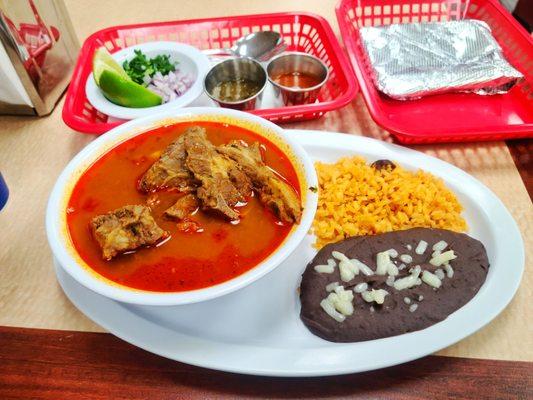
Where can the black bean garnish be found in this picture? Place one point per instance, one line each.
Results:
(383, 164)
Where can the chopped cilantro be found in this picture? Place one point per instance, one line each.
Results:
(140, 66)
(313, 189)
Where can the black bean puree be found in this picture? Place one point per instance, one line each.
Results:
(393, 316)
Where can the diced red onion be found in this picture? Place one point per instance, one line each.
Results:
(170, 86)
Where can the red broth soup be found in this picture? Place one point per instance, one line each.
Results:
(209, 251)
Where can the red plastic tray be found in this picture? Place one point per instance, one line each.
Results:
(446, 117)
(301, 31)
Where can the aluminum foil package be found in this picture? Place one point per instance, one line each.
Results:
(415, 60)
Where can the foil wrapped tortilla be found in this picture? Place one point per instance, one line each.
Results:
(415, 60)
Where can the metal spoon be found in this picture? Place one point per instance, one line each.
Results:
(260, 46)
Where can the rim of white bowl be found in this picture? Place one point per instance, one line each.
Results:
(62, 248)
(200, 60)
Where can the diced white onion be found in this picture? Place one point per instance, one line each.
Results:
(413, 307)
(384, 265)
(365, 269)
(367, 296)
(449, 270)
(431, 279)
(392, 270)
(347, 270)
(326, 269)
(416, 269)
(338, 304)
(439, 246)
(339, 256)
(393, 253)
(440, 274)
(329, 308)
(323, 269)
(407, 300)
(332, 286)
(344, 306)
(408, 281)
(406, 258)
(421, 248)
(443, 258)
(343, 293)
(377, 296)
(360, 287)
(342, 300)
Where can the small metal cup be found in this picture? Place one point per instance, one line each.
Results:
(297, 62)
(236, 68)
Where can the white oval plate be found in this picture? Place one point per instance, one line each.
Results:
(191, 61)
(257, 330)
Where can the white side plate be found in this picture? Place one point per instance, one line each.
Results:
(191, 62)
(257, 330)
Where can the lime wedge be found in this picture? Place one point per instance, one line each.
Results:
(125, 92)
(103, 61)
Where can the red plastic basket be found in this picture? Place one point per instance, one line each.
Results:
(446, 117)
(301, 32)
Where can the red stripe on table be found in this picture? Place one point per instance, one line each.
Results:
(51, 364)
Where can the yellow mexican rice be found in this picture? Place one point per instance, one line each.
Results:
(357, 199)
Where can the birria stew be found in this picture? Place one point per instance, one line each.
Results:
(184, 207)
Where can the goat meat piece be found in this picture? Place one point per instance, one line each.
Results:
(273, 192)
(183, 207)
(125, 229)
(169, 171)
(221, 185)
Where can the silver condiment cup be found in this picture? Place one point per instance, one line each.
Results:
(233, 69)
(304, 63)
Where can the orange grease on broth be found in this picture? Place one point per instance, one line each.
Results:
(186, 261)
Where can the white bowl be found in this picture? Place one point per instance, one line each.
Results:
(63, 249)
(191, 61)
